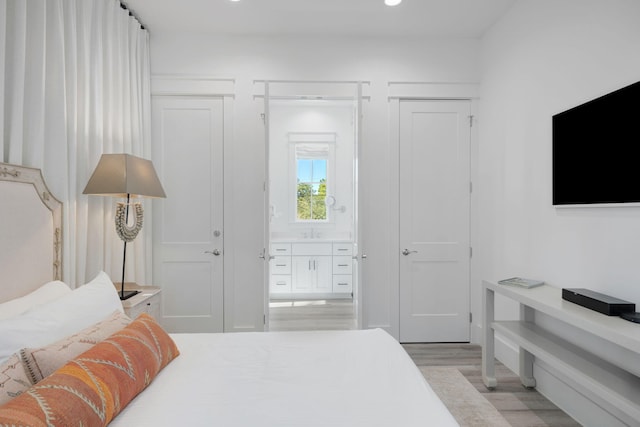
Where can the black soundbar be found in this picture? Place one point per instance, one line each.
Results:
(596, 301)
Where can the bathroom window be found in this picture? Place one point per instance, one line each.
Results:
(311, 188)
(311, 181)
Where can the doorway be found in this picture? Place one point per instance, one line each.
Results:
(434, 220)
(312, 273)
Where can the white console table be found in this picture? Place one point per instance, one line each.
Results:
(604, 367)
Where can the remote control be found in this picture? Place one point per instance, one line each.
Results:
(631, 317)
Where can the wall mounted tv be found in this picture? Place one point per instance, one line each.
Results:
(594, 151)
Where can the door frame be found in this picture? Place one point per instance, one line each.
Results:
(462, 242)
(292, 89)
(428, 91)
(198, 252)
(188, 86)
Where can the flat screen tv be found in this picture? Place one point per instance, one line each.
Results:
(595, 146)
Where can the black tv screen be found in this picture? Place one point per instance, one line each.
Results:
(595, 147)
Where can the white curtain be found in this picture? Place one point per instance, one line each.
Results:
(74, 84)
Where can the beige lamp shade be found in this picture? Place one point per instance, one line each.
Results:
(122, 175)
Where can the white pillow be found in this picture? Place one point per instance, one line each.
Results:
(60, 318)
(45, 293)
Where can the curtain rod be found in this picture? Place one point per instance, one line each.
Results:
(131, 14)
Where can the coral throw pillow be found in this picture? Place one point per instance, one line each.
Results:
(93, 388)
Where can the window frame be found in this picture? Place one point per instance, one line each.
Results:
(295, 139)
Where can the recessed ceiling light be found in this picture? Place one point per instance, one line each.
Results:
(392, 2)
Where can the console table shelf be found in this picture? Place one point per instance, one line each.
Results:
(605, 370)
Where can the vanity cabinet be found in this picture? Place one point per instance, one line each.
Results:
(308, 269)
(342, 268)
(280, 269)
(311, 274)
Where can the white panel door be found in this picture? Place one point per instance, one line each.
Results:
(188, 240)
(434, 221)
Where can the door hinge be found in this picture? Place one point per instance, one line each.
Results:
(470, 187)
(264, 319)
(470, 317)
(470, 252)
(471, 121)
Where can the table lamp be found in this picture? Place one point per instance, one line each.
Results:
(124, 175)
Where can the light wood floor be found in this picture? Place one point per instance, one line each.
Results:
(519, 406)
(294, 315)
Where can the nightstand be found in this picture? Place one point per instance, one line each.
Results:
(147, 301)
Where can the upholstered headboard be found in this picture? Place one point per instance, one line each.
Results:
(30, 232)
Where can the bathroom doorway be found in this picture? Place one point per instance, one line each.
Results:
(312, 224)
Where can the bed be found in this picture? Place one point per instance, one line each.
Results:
(71, 356)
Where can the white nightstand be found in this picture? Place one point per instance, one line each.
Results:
(147, 301)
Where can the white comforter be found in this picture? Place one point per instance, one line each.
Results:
(339, 378)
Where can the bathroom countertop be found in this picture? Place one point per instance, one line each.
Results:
(314, 240)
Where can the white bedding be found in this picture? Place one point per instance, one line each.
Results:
(319, 378)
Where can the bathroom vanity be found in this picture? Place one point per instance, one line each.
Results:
(321, 269)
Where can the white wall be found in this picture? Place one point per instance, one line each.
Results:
(377, 61)
(544, 57)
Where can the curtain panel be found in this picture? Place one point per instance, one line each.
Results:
(74, 84)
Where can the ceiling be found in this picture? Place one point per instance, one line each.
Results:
(422, 18)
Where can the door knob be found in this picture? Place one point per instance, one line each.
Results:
(213, 252)
(407, 252)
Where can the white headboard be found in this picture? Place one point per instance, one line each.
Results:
(30, 232)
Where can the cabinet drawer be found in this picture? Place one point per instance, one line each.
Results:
(342, 249)
(279, 284)
(311, 249)
(342, 265)
(342, 283)
(280, 249)
(149, 305)
(281, 265)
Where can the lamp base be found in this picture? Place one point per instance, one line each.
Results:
(127, 294)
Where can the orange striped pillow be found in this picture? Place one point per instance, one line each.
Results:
(93, 388)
